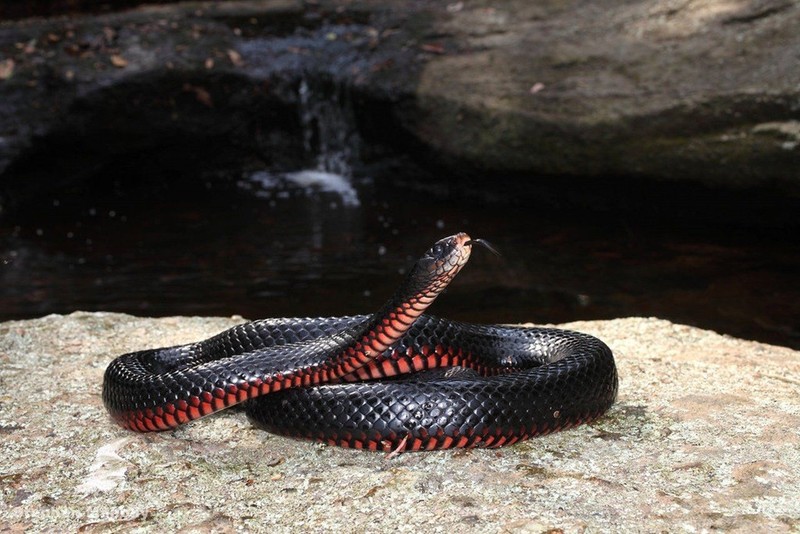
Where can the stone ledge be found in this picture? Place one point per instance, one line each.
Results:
(705, 435)
(652, 90)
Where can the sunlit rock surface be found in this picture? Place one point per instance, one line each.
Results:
(683, 90)
(705, 435)
(699, 91)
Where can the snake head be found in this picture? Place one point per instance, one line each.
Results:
(441, 263)
(446, 257)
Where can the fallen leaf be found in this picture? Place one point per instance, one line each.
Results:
(200, 93)
(73, 49)
(433, 48)
(382, 65)
(235, 57)
(6, 69)
(109, 33)
(119, 61)
(535, 88)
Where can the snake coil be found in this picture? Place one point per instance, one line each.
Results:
(394, 380)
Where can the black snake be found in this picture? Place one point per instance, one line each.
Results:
(346, 380)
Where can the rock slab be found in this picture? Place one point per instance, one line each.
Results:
(705, 435)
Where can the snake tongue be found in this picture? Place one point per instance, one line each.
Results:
(484, 244)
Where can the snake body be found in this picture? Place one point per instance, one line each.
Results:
(394, 380)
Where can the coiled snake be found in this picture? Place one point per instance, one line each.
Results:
(348, 380)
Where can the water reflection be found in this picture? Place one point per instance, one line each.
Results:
(222, 250)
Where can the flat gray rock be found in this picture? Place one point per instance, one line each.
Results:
(705, 435)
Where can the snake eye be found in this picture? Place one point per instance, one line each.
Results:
(441, 249)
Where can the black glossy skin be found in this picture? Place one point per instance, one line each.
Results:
(548, 379)
(537, 380)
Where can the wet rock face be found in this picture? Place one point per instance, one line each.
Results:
(683, 91)
(179, 89)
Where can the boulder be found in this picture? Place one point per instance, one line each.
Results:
(706, 91)
(704, 436)
(657, 90)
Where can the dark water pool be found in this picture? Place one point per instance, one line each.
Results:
(263, 248)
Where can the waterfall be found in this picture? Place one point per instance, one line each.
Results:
(329, 130)
(331, 144)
